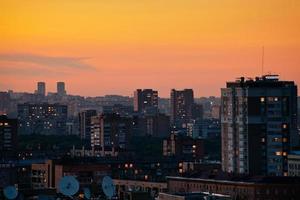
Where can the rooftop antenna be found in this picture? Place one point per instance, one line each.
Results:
(263, 60)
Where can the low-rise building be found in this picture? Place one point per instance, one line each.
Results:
(46, 175)
(294, 164)
(239, 188)
(124, 187)
(193, 196)
(42, 175)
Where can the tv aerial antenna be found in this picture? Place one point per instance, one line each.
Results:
(108, 187)
(10, 192)
(262, 60)
(68, 186)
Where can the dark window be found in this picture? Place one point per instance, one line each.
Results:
(254, 106)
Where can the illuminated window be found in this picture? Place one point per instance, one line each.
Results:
(284, 139)
(194, 146)
(284, 153)
(276, 99)
(278, 153)
(262, 99)
(284, 126)
(276, 139)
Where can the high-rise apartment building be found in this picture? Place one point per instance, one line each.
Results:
(8, 136)
(259, 125)
(85, 123)
(298, 102)
(110, 133)
(5, 103)
(157, 125)
(145, 100)
(44, 119)
(41, 88)
(182, 102)
(61, 91)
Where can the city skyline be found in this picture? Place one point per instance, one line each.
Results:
(149, 100)
(114, 47)
(130, 95)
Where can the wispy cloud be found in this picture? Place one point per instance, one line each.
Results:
(49, 61)
(30, 72)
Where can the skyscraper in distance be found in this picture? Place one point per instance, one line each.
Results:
(41, 88)
(182, 102)
(145, 100)
(259, 125)
(61, 91)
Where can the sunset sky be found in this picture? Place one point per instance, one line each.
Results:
(103, 47)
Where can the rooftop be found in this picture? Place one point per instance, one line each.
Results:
(263, 81)
(243, 180)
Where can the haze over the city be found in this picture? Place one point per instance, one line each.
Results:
(114, 47)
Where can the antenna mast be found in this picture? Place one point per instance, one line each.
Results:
(262, 60)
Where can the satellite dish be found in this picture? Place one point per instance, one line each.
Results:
(68, 185)
(108, 187)
(10, 192)
(87, 193)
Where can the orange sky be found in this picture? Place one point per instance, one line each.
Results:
(113, 47)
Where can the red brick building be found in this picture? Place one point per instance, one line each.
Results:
(258, 188)
(48, 174)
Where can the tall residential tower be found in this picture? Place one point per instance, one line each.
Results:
(182, 102)
(41, 88)
(145, 100)
(61, 91)
(259, 125)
